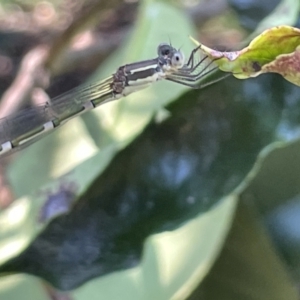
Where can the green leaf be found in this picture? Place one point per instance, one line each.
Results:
(276, 176)
(248, 267)
(169, 270)
(171, 173)
(22, 287)
(275, 50)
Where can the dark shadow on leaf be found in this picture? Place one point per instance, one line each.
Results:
(172, 172)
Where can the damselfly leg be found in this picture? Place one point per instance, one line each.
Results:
(190, 63)
(187, 75)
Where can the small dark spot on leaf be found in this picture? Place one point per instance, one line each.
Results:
(256, 67)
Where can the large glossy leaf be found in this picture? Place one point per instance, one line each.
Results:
(170, 269)
(275, 191)
(283, 222)
(171, 173)
(249, 267)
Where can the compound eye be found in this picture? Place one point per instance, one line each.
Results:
(164, 50)
(177, 59)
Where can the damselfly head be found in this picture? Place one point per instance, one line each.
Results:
(170, 57)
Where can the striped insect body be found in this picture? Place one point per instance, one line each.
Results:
(30, 124)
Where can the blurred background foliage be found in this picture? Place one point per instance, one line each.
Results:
(166, 194)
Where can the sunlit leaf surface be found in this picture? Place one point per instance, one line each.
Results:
(276, 50)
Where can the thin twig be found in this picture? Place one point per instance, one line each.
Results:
(31, 75)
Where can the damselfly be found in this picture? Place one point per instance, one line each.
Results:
(28, 125)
